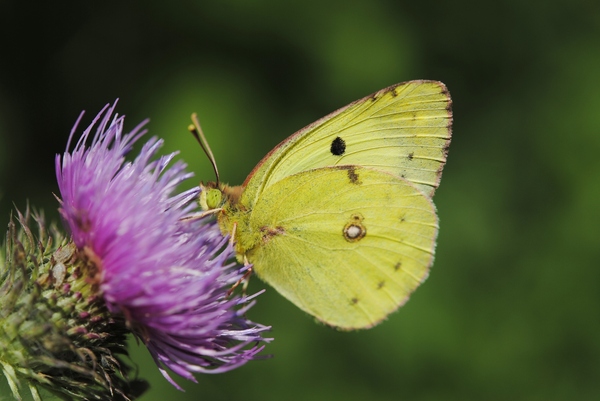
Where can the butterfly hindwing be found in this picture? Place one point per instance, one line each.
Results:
(346, 244)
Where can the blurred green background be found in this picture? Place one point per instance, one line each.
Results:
(510, 310)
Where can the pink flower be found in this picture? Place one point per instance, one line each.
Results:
(170, 279)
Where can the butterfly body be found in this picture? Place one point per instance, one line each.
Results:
(338, 217)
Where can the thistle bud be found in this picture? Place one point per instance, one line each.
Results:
(55, 331)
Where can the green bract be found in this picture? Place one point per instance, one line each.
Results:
(55, 331)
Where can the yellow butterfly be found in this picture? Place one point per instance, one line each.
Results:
(338, 217)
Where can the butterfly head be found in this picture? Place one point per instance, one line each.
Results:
(215, 195)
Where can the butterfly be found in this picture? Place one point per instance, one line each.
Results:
(338, 217)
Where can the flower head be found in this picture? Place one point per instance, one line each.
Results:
(169, 278)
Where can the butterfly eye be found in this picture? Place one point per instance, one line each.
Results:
(210, 198)
(213, 198)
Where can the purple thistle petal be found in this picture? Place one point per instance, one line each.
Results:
(167, 277)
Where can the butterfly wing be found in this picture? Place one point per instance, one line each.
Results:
(346, 244)
(403, 130)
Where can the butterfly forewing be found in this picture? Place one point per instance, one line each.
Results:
(403, 130)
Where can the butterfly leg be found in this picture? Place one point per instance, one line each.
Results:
(232, 238)
(245, 278)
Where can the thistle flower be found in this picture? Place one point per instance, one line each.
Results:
(168, 278)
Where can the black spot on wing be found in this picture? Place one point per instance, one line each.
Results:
(338, 146)
(353, 176)
(411, 156)
(445, 149)
(446, 94)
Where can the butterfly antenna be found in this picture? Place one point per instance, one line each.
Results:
(199, 135)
